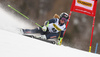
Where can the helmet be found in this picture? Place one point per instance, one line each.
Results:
(64, 16)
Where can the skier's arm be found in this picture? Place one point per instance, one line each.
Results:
(61, 37)
(60, 40)
(44, 28)
(50, 21)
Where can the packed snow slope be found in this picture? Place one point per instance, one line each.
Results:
(15, 45)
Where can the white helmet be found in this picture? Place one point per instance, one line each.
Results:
(64, 16)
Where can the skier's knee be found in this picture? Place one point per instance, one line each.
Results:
(53, 37)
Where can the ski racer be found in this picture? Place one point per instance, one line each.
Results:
(53, 28)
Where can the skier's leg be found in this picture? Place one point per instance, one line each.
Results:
(52, 35)
(37, 30)
(32, 31)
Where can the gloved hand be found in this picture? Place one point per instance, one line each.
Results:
(46, 23)
(44, 28)
(60, 40)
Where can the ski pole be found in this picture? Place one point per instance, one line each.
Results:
(38, 25)
(22, 14)
(18, 11)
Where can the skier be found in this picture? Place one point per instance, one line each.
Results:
(53, 28)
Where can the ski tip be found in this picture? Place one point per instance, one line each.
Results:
(22, 32)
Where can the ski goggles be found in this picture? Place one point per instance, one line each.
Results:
(64, 19)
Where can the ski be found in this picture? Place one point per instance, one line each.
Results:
(31, 36)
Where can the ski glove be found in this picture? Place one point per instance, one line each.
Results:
(44, 28)
(60, 40)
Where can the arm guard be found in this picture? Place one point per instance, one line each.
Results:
(60, 40)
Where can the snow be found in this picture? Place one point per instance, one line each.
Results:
(16, 45)
(10, 22)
